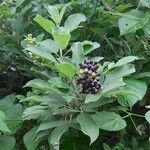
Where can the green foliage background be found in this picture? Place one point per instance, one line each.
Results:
(42, 43)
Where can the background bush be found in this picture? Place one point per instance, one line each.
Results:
(114, 33)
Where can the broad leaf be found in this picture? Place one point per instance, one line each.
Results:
(147, 116)
(41, 51)
(7, 142)
(73, 21)
(89, 46)
(132, 21)
(54, 13)
(46, 24)
(92, 97)
(77, 53)
(66, 69)
(61, 37)
(117, 73)
(29, 139)
(14, 117)
(145, 3)
(3, 125)
(125, 60)
(7, 102)
(109, 121)
(52, 124)
(33, 112)
(88, 126)
(133, 91)
(63, 11)
(42, 85)
(56, 134)
(48, 45)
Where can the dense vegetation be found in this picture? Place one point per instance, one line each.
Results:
(74, 75)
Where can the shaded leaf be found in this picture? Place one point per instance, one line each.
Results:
(7, 142)
(56, 134)
(109, 121)
(88, 126)
(147, 116)
(29, 139)
(89, 46)
(3, 125)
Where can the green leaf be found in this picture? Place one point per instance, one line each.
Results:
(29, 139)
(89, 46)
(111, 86)
(132, 21)
(145, 3)
(7, 142)
(3, 125)
(61, 37)
(14, 117)
(56, 134)
(41, 51)
(52, 124)
(39, 84)
(147, 26)
(73, 21)
(58, 82)
(34, 112)
(88, 126)
(147, 116)
(117, 73)
(92, 97)
(54, 13)
(63, 11)
(96, 59)
(46, 24)
(66, 69)
(109, 121)
(48, 45)
(7, 102)
(77, 53)
(59, 111)
(106, 146)
(133, 91)
(125, 60)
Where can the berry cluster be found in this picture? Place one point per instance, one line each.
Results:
(88, 81)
